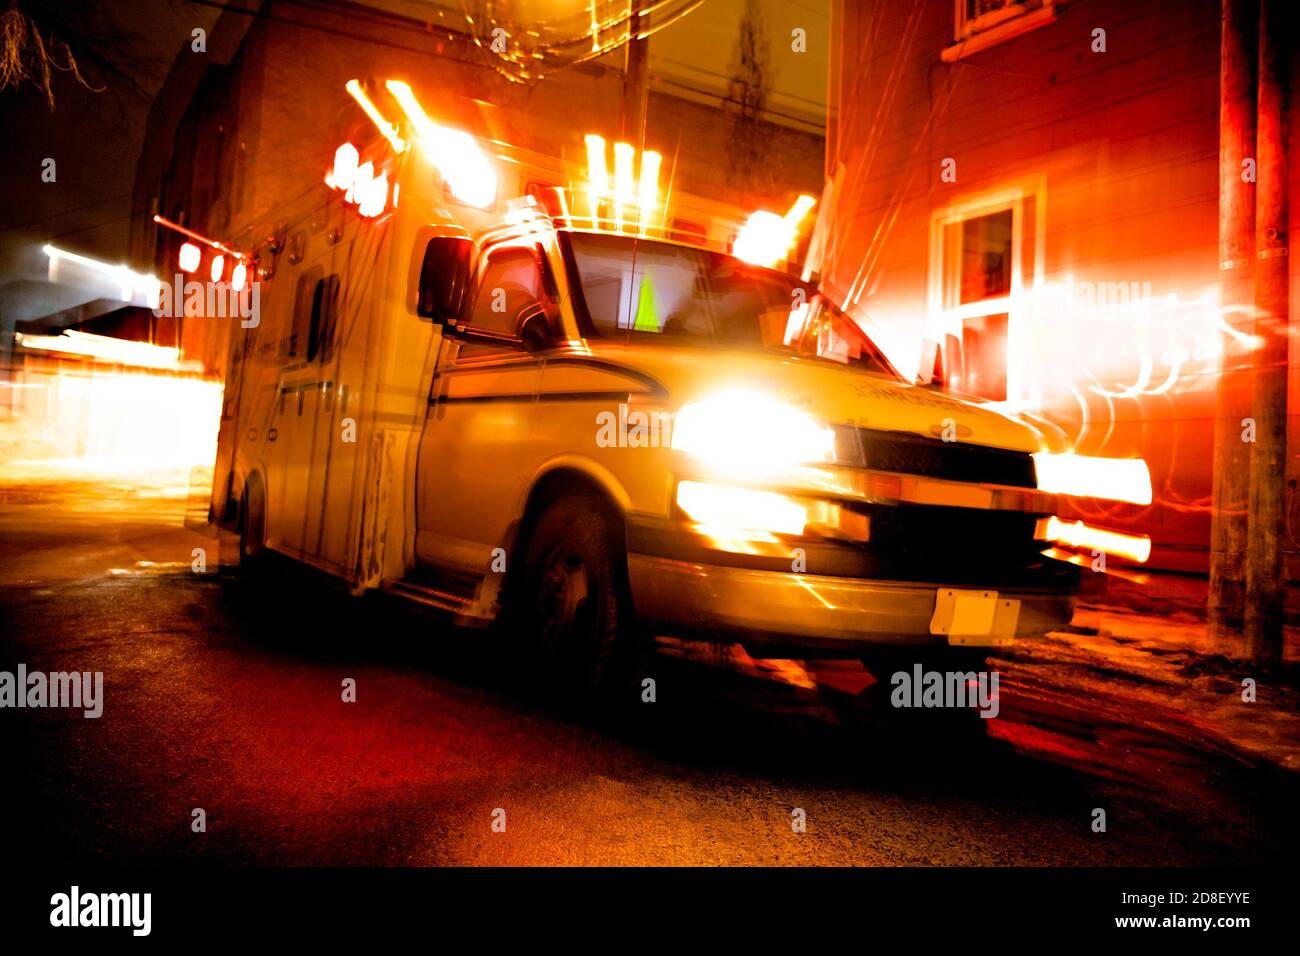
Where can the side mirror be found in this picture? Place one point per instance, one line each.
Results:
(444, 278)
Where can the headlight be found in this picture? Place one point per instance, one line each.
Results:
(746, 434)
(732, 510)
(1117, 479)
(731, 513)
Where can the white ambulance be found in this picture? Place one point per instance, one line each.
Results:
(577, 404)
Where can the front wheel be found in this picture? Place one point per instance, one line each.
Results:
(570, 615)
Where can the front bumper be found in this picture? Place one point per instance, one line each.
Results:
(808, 612)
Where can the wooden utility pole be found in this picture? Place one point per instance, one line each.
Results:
(635, 78)
(1267, 500)
(1238, 64)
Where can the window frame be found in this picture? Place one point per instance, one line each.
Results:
(302, 312)
(480, 345)
(321, 333)
(589, 329)
(945, 318)
(970, 35)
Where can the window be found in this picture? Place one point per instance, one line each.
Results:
(983, 255)
(511, 283)
(296, 344)
(315, 313)
(324, 319)
(980, 24)
(977, 285)
(984, 269)
(676, 295)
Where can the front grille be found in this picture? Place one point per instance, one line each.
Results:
(956, 545)
(933, 458)
(927, 532)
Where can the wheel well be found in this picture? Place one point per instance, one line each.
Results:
(551, 486)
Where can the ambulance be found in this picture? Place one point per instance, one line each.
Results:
(587, 410)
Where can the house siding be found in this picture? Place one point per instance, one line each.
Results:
(1121, 148)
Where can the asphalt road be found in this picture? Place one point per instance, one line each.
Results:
(219, 700)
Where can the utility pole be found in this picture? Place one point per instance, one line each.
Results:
(635, 77)
(1238, 63)
(1267, 511)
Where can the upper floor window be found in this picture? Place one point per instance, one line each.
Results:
(980, 24)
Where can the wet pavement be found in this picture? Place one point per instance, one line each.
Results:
(231, 701)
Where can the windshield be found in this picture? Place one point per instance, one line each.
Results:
(641, 289)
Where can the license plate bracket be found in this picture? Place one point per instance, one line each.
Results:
(974, 618)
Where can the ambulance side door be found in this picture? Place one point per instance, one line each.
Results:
(476, 447)
(292, 426)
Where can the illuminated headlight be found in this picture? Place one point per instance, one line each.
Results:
(734, 512)
(748, 434)
(1116, 479)
(740, 510)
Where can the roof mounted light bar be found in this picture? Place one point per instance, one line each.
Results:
(466, 171)
(389, 130)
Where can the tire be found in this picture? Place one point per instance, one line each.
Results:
(252, 532)
(570, 616)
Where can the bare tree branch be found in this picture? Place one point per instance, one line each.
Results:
(41, 37)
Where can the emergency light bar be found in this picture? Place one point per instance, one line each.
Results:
(381, 123)
(766, 238)
(466, 171)
(359, 182)
(629, 191)
(623, 198)
(468, 174)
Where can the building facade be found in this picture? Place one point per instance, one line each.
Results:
(1027, 208)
